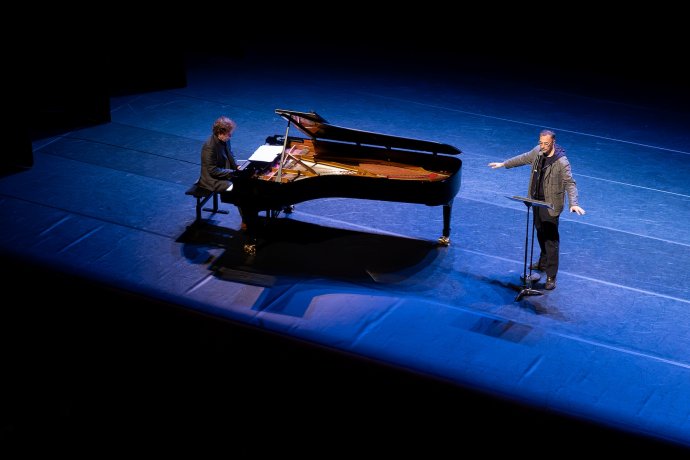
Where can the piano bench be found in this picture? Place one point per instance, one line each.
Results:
(202, 195)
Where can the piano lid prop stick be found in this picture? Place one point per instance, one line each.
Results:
(297, 160)
(279, 177)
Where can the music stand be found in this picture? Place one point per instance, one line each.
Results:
(527, 287)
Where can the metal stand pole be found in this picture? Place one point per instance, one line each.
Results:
(527, 286)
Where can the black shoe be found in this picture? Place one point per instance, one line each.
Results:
(538, 266)
(550, 283)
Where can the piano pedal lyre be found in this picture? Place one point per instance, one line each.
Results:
(444, 241)
(250, 249)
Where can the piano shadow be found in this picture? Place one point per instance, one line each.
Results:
(201, 237)
(295, 249)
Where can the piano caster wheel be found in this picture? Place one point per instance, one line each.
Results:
(250, 249)
(444, 241)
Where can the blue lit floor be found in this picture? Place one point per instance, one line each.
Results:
(609, 345)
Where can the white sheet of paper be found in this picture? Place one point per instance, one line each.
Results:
(266, 153)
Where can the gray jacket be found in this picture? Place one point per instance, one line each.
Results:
(558, 179)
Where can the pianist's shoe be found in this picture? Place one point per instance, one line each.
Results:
(550, 283)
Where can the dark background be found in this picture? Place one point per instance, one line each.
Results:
(75, 65)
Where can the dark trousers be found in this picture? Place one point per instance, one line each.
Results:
(547, 235)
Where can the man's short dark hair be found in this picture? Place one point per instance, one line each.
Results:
(547, 132)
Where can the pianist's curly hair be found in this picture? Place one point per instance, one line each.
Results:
(223, 125)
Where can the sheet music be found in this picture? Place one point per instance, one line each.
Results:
(266, 153)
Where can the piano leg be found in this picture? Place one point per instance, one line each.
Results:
(445, 239)
(274, 213)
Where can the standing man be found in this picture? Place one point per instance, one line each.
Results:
(549, 181)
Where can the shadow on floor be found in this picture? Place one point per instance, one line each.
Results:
(290, 248)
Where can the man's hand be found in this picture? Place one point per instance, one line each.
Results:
(578, 210)
(495, 165)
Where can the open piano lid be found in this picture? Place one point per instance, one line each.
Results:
(316, 127)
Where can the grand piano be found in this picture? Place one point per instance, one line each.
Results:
(334, 161)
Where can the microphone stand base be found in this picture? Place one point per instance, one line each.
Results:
(526, 292)
(533, 277)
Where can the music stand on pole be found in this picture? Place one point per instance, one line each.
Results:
(527, 287)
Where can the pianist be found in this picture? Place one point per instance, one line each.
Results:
(217, 160)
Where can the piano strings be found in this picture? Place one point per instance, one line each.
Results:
(301, 161)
